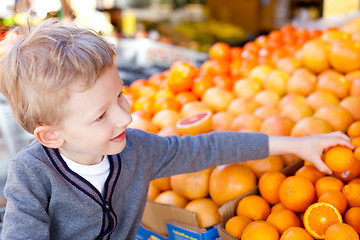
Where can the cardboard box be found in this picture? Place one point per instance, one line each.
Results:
(181, 232)
(228, 210)
(146, 234)
(175, 222)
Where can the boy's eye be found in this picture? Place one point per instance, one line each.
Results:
(121, 93)
(101, 117)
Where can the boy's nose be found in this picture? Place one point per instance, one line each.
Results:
(122, 118)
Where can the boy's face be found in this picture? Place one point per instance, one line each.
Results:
(96, 119)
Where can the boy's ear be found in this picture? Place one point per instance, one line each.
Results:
(48, 137)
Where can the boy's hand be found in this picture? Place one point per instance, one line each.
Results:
(309, 148)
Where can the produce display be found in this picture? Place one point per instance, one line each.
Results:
(291, 82)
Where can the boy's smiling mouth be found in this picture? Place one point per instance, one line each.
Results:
(119, 138)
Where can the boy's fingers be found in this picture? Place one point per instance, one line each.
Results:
(322, 167)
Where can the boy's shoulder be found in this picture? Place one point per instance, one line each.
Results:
(32, 153)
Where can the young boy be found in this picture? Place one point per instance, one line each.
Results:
(86, 175)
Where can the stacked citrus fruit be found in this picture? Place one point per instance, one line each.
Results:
(291, 82)
(308, 205)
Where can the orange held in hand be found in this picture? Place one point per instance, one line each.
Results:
(339, 158)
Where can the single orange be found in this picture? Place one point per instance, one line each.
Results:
(143, 124)
(339, 158)
(169, 131)
(277, 125)
(288, 64)
(277, 207)
(245, 121)
(290, 98)
(167, 103)
(315, 55)
(220, 50)
(336, 198)
(206, 211)
(351, 217)
(354, 171)
(145, 114)
(162, 184)
(355, 87)
(320, 98)
(221, 121)
(215, 67)
(217, 98)
(310, 172)
(153, 192)
(223, 81)
(296, 233)
(260, 230)
(352, 104)
(185, 97)
(144, 103)
(296, 111)
(310, 126)
(138, 84)
(276, 81)
(195, 124)
(355, 141)
(297, 193)
(345, 55)
(333, 81)
(246, 88)
(357, 153)
(241, 105)
(235, 225)
(230, 181)
(261, 166)
(352, 192)
(192, 108)
(181, 76)
(341, 231)
(267, 97)
(328, 183)
(319, 217)
(201, 84)
(269, 185)
(254, 207)
(192, 185)
(283, 219)
(336, 115)
(172, 198)
(259, 73)
(264, 112)
(158, 80)
(166, 118)
(354, 129)
(302, 82)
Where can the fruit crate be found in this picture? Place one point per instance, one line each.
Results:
(228, 210)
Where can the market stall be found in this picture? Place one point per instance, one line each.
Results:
(275, 67)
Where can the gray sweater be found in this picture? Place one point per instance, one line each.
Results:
(46, 200)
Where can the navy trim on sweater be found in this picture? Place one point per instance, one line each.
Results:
(110, 220)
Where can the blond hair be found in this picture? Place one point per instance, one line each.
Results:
(38, 65)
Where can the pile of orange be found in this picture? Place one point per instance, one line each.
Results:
(291, 82)
(299, 207)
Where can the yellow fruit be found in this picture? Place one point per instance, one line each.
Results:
(207, 211)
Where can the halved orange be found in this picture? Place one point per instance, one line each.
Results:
(195, 124)
(319, 216)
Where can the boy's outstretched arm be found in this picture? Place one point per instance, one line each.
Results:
(308, 148)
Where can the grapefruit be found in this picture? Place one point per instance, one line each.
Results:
(195, 124)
